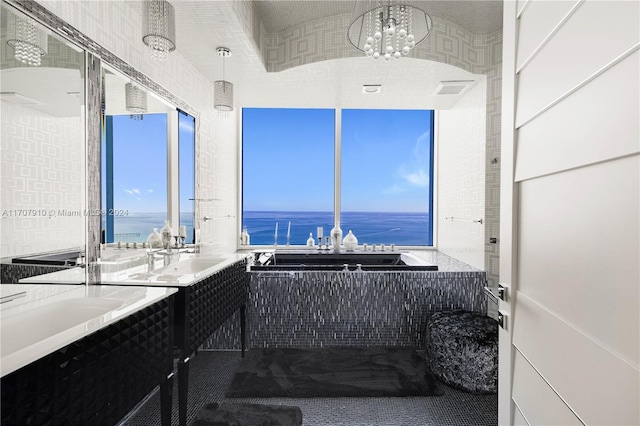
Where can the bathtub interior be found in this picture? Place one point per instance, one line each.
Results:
(332, 261)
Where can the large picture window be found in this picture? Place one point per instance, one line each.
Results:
(385, 184)
(386, 180)
(287, 173)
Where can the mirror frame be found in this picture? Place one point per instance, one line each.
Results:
(94, 55)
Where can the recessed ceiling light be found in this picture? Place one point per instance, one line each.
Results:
(372, 88)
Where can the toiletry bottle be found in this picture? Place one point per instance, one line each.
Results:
(310, 241)
(244, 237)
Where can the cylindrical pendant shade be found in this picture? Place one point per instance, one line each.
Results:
(223, 96)
(159, 28)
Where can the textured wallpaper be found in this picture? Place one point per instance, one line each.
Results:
(43, 180)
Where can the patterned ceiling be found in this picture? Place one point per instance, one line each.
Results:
(203, 25)
(477, 16)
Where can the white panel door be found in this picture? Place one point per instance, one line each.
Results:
(570, 214)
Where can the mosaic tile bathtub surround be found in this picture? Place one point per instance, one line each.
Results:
(310, 309)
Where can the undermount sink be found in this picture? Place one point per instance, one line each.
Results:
(188, 266)
(29, 326)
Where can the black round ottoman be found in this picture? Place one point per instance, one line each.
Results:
(462, 348)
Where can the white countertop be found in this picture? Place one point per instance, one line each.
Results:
(37, 320)
(185, 271)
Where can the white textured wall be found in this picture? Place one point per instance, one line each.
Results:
(42, 175)
(576, 334)
(461, 177)
(115, 25)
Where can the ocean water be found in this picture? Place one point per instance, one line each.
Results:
(369, 227)
(406, 229)
(136, 227)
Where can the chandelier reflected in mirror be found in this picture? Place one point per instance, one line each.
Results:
(135, 101)
(159, 28)
(388, 28)
(29, 41)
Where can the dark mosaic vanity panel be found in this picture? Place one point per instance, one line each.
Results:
(11, 273)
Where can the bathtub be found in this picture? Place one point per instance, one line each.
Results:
(318, 260)
(67, 258)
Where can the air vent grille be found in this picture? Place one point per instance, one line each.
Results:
(452, 87)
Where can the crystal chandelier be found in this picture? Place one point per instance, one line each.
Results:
(159, 28)
(388, 28)
(29, 41)
(135, 101)
(223, 90)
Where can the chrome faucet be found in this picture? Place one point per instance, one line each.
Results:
(151, 260)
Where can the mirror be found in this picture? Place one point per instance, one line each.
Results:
(42, 147)
(148, 158)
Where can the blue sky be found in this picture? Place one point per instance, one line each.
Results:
(140, 163)
(386, 155)
(288, 161)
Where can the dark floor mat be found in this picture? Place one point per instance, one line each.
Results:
(240, 414)
(333, 372)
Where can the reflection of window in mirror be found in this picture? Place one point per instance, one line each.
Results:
(42, 173)
(147, 161)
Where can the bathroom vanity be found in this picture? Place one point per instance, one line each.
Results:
(209, 290)
(202, 307)
(84, 354)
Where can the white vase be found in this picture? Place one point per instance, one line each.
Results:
(350, 242)
(155, 239)
(310, 241)
(166, 233)
(336, 238)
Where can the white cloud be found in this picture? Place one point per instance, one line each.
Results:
(421, 149)
(418, 178)
(132, 191)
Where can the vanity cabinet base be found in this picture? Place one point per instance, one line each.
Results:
(98, 379)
